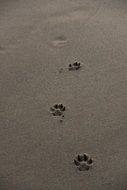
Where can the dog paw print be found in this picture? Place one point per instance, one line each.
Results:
(74, 66)
(83, 162)
(59, 41)
(58, 110)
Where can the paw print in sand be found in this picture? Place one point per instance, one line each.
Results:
(57, 110)
(74, 66)
(83, 162)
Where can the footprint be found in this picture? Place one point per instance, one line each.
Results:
(59, 42)
(74, 66)
(71, 67)
(58, 110)
(83, 162)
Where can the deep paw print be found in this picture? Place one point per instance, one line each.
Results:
(71, 67)
(57, 110)
(74, 66)
(83, 162)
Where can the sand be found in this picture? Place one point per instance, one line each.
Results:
(38, 40)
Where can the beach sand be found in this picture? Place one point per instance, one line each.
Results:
(38, 40)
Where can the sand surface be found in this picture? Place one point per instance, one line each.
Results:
(38, 39)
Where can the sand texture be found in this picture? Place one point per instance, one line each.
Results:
(39, 140)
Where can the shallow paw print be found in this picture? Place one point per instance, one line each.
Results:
(60, 41)
(74, 66)
(57, 110)
(83, 162)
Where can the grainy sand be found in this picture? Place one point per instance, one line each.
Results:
(39, 38)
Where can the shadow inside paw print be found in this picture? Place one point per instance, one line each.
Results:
(57, 110)
(83, 162)
(74, 66)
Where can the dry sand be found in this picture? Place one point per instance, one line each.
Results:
(39, 38)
